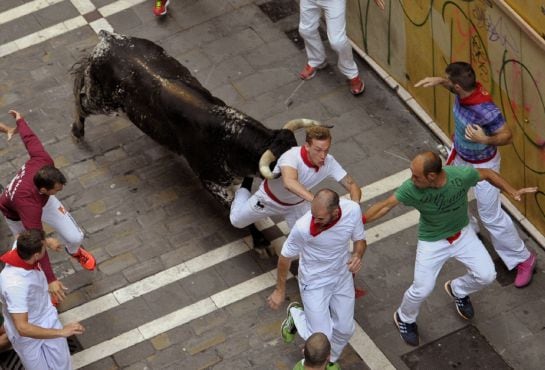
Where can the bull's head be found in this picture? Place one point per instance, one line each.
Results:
(268, 157)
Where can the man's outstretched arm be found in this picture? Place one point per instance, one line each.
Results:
(379, 209)
(498, 181)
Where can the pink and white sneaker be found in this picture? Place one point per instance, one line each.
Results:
(525, 271)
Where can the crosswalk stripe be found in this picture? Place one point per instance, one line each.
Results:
(209, 259)
(154, 282)
(42, 35)
(25, 9)
(83, 6)
(118, 6)
(369, 352)
(214, 302)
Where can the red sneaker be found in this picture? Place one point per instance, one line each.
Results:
(525, 270)
(356, 86)
(160, 7)
(85, 259)
(309, 72)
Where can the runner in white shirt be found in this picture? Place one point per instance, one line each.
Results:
(301, 168)
(321, 240)
(31, 321)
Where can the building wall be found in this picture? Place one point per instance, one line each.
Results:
(418, 38)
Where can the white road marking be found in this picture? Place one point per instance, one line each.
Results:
(227, 251)
(173, 320)
(369, 352)
(118, 6)
(216, 301)
(42, 35)
(101, 24)
(83, 6)
(25, 9)
(154, 282)
(220, 299)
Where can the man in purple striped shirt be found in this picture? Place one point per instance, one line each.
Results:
(479, 129)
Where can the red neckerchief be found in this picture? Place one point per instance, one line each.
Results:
(314, 231)
(306, 159)
(478, 96)
(12, 258)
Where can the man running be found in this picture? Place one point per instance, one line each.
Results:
(321, 241)
(440, 195)
(479, 129)
(301, 168)
(30, 199)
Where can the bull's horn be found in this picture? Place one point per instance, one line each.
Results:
(296, 124)
(266, 159)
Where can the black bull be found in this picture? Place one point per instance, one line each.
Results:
(159, 95)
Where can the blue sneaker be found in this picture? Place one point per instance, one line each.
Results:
(463, 305)
(408, 332)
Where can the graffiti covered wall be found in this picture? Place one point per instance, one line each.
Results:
(418, 38)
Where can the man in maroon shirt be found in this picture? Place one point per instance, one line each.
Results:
(30, 199)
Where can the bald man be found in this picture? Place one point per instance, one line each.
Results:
(321, 241)
(316, 353)
(440, 194)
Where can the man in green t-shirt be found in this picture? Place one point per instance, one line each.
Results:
(440, 194)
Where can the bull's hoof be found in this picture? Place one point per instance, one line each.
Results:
(262, 253)
(77, 132)
(260, 242)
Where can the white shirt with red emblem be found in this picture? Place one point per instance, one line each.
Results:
(323, 257)
(307, 174)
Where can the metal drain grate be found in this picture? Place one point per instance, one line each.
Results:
(10, 361)
(279, 9)
(464, 349)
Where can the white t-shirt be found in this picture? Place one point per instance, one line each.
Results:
(23, 291)
(324, 257)
(307, 176)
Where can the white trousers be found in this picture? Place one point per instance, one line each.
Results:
(247, 209)
(43, 354)
(504, 235)
(335, 17)
(330, 310)
(430, 258)
(55, 215)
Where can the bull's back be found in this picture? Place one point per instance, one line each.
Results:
(157, 93)
(139, 66)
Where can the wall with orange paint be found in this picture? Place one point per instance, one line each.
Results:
(419, 38)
